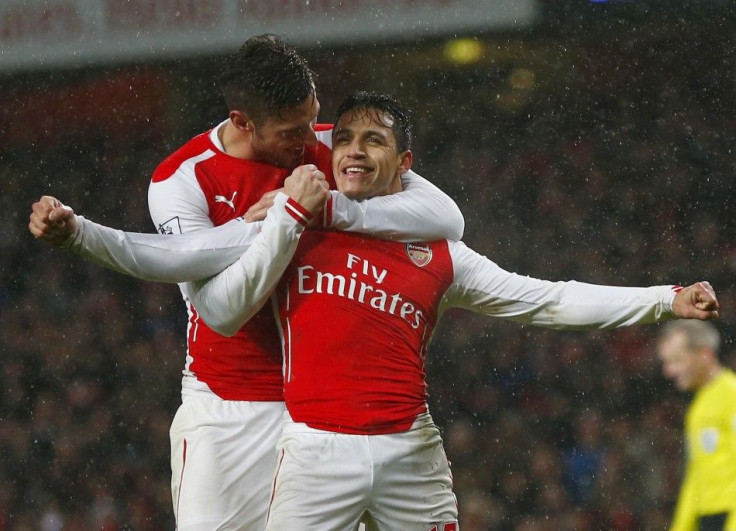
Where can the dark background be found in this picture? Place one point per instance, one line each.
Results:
(596, 146)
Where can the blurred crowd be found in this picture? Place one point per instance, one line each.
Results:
(623, 177)
(621, 174)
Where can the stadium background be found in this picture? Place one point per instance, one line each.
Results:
(594, 142)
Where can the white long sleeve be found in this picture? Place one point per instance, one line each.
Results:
(422, 208)
(228, 300)
(421, 212)
(225, 297)
(173, 258)
(482, 286)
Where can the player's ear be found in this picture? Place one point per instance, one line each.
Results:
(405, 160)
(241, 121)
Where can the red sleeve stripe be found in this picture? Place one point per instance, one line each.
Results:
(298, 212)
(677, 289)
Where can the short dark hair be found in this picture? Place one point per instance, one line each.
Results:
(265, 76)
(402, 115)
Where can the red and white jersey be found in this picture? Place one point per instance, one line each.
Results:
(198, 187)
(356, 315)
(377, 300)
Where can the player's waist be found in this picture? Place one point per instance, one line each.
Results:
(243, 390)
(234, 372)
(338, 418)
(420, 421)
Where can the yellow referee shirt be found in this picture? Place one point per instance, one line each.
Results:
(709, 485)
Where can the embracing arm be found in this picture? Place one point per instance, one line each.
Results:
(421, 212)
(229, 299)
(482, 286)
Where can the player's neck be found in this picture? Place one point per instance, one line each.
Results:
(234, 142)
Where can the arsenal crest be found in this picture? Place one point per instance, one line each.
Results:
(419, 253)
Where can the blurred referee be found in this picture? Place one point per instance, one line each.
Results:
(689, 351)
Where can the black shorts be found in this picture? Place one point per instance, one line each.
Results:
(712, 522)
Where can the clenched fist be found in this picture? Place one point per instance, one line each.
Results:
(52, 221)
(697, 301)
(308, 187)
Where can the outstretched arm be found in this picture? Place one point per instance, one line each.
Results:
(172, 258)
(175, 258)
(482, 286)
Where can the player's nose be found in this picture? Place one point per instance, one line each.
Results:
(356, 149)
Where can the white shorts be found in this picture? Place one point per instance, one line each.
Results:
(223, 456)
(327, 480)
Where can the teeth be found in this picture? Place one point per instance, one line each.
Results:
(355, 169)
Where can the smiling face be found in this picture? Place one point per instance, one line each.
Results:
(280, 140)
(365, 159)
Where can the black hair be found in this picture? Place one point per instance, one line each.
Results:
(265, 76)
(402, 116)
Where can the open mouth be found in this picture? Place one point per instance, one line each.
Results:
(356, 170)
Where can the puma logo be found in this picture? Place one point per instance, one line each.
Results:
(223, 199)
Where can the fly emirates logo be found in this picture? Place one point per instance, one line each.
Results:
(362, 285)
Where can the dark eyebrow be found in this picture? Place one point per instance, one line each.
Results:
(379, 132)
(294, 129)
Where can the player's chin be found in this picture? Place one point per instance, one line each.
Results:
(291, 163)
(354, 192)
(292, 160)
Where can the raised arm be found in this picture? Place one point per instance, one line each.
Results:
(482, 286)
(155, 257)
(176, 258)
(422, 212)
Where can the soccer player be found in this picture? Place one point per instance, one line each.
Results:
(356, 315)
(224, 432)
(689, 353)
